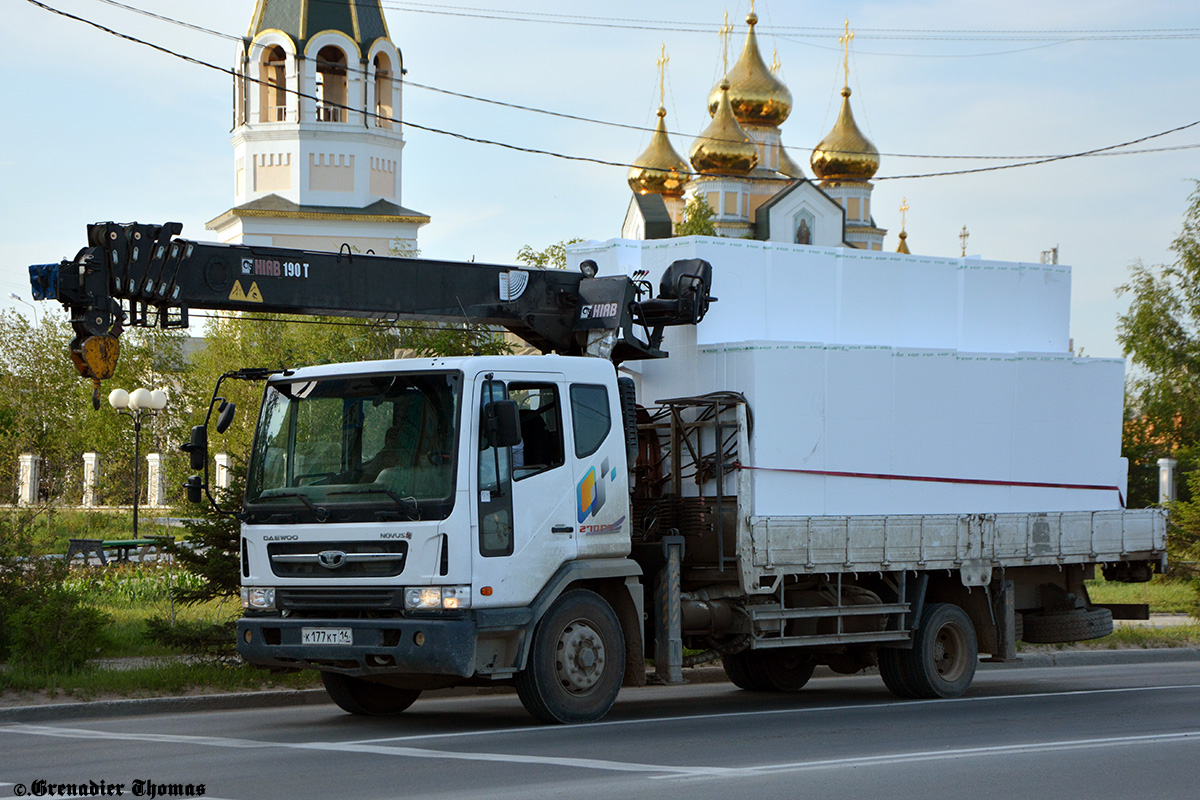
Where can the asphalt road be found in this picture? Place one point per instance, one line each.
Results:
(1065, 732)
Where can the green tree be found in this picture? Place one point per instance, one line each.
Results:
(46, 409)
(697, 218)
(553, 257)
(1160, 334)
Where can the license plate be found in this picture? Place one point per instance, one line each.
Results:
(335, 636)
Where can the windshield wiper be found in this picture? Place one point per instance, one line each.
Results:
(405, 503)
(320, 512)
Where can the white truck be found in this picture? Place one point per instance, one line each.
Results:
(527, 520)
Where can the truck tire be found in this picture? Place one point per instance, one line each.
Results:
(892, 670)
(788, 669)
(746, 671)
(576, 662)
(784, 670)
(944, 655)
(1067, 626)
(358, 696)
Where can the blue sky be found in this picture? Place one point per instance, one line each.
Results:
(97, 128)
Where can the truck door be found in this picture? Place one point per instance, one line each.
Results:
(601, 505)
(525, 524)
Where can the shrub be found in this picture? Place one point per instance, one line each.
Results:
(57, 633)
(196, 637)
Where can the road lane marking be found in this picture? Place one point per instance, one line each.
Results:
(891, 759)
(533, 728)
(666, 770)
(657, 771)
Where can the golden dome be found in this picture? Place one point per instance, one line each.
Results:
(845, 154)
(757, 96)
(724, 147)
(903, 248)
(659, 169)
(787, 166)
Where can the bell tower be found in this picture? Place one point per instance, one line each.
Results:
(317, 138)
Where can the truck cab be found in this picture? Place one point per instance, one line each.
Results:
(389, 531)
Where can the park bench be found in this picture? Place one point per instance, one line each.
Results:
(123, 547)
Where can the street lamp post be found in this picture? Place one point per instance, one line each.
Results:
(19, 299)
(137, 404)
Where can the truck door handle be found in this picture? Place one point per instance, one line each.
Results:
(562, 529)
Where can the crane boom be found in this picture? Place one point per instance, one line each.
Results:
(135, 275)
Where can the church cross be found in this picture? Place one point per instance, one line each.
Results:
(845, 40)
(726, 29)
(903, 211)
(662, 73)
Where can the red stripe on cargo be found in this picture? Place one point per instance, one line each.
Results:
(930, 479)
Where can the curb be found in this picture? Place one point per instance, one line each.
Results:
(102, 709)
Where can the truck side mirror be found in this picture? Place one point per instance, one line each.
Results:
(225, 413)
(502, 423)
(197, 447)
(194, 489)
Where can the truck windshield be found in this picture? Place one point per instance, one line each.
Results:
(363, 443)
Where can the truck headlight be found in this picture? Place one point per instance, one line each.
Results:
(436, 598)
(258, 599)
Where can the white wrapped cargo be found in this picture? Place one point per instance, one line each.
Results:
(894, 384)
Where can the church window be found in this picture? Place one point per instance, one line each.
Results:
(273, 89)
(852, 208)
(867, 208)
(383, 91)
(331, 85)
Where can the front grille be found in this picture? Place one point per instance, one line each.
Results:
(338, 600)
(337, 559)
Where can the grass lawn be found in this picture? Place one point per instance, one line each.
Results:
(132, 594)
(1163, 596)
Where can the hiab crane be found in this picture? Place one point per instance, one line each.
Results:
(414, 524)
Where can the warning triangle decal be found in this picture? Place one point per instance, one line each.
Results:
(237, 293)
(254, 295)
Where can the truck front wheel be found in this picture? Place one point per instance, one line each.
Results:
(576, 661)
(358, 696)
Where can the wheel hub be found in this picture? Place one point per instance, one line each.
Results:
(948, 656)
(580, 657)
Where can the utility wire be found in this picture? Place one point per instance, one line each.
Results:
(675, 26)
(583, 159)
(579, 118)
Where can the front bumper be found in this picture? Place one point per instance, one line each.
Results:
(425, 646)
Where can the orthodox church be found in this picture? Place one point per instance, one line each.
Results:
(316, 137)
(740, 166)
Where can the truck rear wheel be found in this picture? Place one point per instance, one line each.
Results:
(358, 696)
(942, 660)
(945, 653)
(576, 661)
(892, 670)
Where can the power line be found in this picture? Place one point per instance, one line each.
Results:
(576, 117)
(909, 34)
(583, 159)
